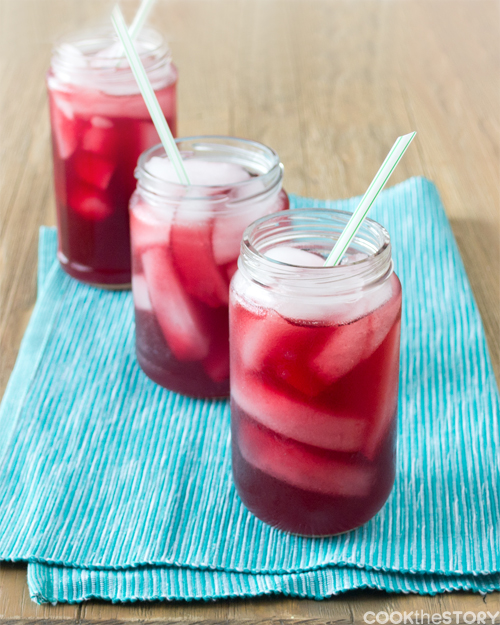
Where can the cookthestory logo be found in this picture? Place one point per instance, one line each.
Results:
(419, 617)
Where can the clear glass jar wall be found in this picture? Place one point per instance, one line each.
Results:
(100, 126)
(314, 373)
(185, 246)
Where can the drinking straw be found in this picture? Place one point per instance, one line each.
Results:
(140, 18)
(376, 186)
(149, 95)
(138, 23)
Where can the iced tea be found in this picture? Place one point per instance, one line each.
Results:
(100, 126)
(314, 374)
(185, 246)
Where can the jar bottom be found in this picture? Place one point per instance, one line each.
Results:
(160, 365)
(110, 280)
(192, 386)
(294, 509)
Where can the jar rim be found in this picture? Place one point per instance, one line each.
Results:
(76, 61)
(264, 157)
(102, 37)
(375, 267)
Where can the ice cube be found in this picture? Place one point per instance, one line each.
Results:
(76, 56)
(387, 296)
(252, 295)
(264, 341)
(110, 57)
(99, 138)
(149, 225)
(89, 102)
(114, 56)
(295, 419)
(162, 79)
(192, 229)
(63, 103)
(343, 350)
(200, 172)
(337, 308)
(250, 335)
(94, 170)
(250, 193)
(89, 202)
(303, 307)
(101, 122)
(180, 320)
(191, 244)
(65, 126)
(228, 228)
(214, 173)
(161, 168)
(140, 293)
(294, 256)
(300, 466)
(354, 342)
(227, 234)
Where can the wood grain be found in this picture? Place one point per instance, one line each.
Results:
(329, 84)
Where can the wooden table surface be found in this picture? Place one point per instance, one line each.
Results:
(329, 84)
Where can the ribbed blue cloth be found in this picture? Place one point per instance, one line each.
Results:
(114, 488)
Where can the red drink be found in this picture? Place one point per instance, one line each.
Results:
(314, 374)
(100, 126)
(185, 245)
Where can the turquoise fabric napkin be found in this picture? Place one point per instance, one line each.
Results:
(112, 487)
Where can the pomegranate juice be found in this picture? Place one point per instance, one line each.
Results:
(185, 245)
(313, 403)
(100, 126)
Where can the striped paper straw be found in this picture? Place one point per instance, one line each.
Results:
(149, 95)
(138, 23)
(376, 186)
(140, 18)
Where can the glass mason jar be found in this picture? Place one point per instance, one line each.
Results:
(314, 372)
(185, 247)
(100, 126)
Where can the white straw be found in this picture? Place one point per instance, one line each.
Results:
(376, 186)
(149, 95)
(140, 17)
